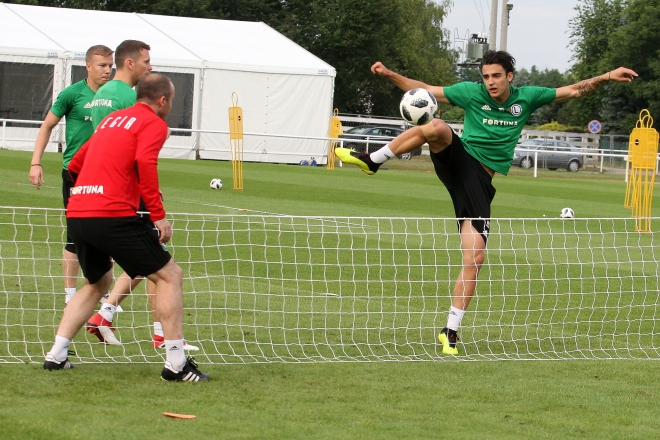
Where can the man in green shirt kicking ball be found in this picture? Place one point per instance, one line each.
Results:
(495, 114)
(74, 103)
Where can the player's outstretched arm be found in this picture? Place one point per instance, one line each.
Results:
(583, 88)
(36, 170)
(406, 84)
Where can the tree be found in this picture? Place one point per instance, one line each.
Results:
(591, 37)
(406, 35)
(635, 44)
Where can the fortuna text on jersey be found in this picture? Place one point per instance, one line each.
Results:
(499, 122)
(102, 103)
(87, 189)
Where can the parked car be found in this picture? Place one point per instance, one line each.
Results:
(370, 138)
(550, 154)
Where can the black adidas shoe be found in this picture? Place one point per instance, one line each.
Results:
(190, 373)
(363, 160)
(51, 364)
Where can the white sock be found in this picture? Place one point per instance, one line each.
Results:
(382, 155)
(108, 311)
(455, 318)
(60, 348)
(158, 329)
(69, 292)
(174, 353)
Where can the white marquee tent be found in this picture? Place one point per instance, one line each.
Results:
(282, 88)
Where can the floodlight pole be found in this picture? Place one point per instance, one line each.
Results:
(506, 9)
(493, 26)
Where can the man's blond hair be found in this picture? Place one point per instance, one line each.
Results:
(99, 49)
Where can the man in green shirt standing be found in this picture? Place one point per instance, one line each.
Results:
(133, 63)
(74, 103)
(495, 114)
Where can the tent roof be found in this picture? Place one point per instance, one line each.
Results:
(174, 41)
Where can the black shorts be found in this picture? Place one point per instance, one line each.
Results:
(469, 185)
(67, 184)
(130, 241)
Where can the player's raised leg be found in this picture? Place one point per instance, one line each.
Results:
(436, 133)
(472, 246)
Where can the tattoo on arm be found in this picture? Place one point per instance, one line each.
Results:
(590, 85)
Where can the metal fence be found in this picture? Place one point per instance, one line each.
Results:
(603, 153)
(188, 144)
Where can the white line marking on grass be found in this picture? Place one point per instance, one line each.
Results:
(226, 207)
(30, 184)
(212, 205)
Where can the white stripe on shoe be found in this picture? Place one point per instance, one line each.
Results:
(108, 336)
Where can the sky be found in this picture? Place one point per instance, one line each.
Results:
(538, 33)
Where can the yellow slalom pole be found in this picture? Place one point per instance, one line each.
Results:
(642, 154)
(236, 141)
(334, 132)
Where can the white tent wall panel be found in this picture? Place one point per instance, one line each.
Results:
(22, 136)
(251, 89)
(183, 147)
(299, 105)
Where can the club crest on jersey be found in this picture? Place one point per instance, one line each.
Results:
(516, 110)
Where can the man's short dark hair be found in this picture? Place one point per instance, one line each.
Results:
(154, 86)
(129, 49)
(99, 49)
(500, 57)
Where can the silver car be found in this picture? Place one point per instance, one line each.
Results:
(549, 153)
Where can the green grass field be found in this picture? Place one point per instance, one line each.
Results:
(552, 399)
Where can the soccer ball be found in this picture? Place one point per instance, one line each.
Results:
(567, 213)
(418, 106)
(216, 183)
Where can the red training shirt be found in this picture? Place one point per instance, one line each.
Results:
(118, 165)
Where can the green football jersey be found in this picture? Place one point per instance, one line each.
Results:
(491, 130)
(114, 95)
(75, 104)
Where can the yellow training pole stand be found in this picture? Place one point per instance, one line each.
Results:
(632, 156)
(236, 141)
(642, 153)
(335, 131)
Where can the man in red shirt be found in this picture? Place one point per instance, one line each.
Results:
(119, 166)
